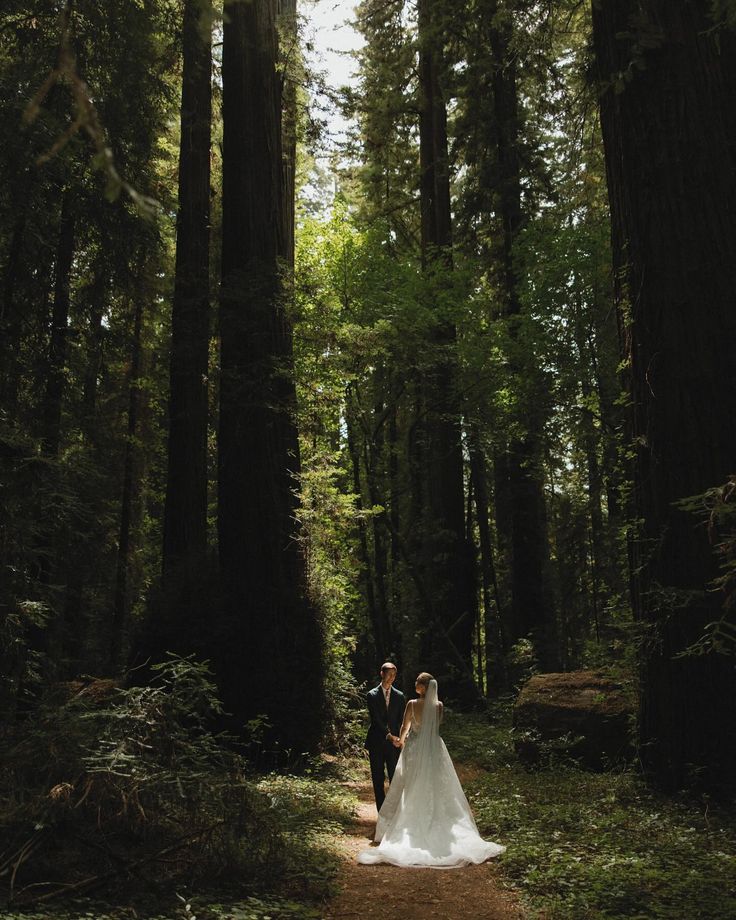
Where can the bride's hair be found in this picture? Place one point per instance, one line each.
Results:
(424, 679)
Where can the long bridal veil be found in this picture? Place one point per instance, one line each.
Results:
(425, 819)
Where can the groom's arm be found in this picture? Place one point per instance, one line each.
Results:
(404, 706)
(378, 714)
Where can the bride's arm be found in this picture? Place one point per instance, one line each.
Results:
(406, 724)
(442, 710)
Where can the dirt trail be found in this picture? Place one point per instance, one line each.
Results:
(470, 893)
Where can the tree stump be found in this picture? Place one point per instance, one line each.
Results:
(585, 715)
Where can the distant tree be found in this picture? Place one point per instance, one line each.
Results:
(69, 245)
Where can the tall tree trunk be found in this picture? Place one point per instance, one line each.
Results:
(447, 567)
(393, 478)
(379, 543)
(95, 344)
(532, 610)
(270, 624)
(58, 341)
(290, 62)
(591, 443)
(495, 668)
(131, 485)
(51, 408)
(381, 631)
(10, 315)
(669, 129)
(480, 671)
(185, 516)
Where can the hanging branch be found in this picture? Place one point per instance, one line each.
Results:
(86, 118)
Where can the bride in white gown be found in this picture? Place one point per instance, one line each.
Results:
(426, 819)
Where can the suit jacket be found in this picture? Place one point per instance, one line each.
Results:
(383, 719)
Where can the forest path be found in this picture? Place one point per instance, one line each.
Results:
(382, 891)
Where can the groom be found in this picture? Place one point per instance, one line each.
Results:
(386, 708)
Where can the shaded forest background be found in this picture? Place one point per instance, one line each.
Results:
(465, 399)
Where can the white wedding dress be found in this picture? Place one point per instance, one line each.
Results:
(425, 819)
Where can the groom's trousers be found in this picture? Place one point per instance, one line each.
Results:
(383, 761)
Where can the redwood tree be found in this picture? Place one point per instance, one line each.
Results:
(447, 566)
(185, 519)
(667, 73)
(269, 641)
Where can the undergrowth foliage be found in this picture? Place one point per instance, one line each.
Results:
(591, 846)
(109, 787)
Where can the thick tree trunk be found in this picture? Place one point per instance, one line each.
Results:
(447, 567)
(669, 129)
(270, 644)
(185, 516)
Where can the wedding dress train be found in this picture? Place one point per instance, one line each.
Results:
(425, 819)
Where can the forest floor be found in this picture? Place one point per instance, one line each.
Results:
(580, 846)
(382, 891)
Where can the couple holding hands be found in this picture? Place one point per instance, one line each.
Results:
(425, 819)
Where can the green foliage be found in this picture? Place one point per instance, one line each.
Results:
(265, 907)
(21, 665)
(717, 509)
(116, 95)
(105, 783)
(590, 846)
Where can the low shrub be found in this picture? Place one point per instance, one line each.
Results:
(128, 791)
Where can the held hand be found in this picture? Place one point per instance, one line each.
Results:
(398, 742)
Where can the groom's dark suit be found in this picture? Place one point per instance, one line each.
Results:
(382, 753)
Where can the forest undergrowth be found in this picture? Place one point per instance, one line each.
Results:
(123, 805)
(596, 846)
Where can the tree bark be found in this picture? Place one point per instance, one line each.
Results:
(185, 515)
(495, 669)
(591, 444)
(381, 630)
(270, 623)
(532, 609)
(447, 557)
(131, 485)
(666, 77)
(10, 315)
(290, 61)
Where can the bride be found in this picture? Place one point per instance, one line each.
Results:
(425, 819)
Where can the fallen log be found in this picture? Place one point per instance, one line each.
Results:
(584, 715)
